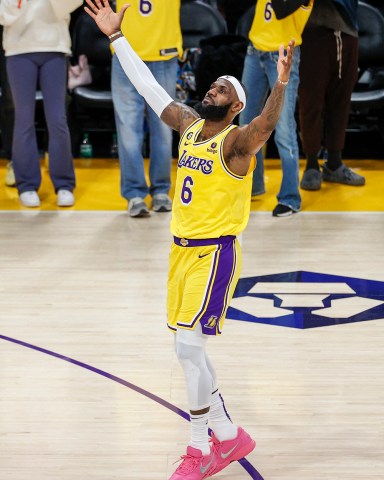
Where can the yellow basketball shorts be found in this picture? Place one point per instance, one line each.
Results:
(202, 278)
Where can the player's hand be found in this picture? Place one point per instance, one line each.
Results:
(284, 63)
(107, 20)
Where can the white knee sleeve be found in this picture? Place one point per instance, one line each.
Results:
(212, 372)
(191, 356)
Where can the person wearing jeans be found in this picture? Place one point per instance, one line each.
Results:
(130, 111)
(153, 29)
(260, 68)
(275, 23)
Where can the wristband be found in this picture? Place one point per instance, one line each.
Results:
(283, 83)
(114, 35)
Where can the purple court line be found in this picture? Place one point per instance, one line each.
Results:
(248, 467)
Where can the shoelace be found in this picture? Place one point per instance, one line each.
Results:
(215, 444)
(348, 173)
(188, 464)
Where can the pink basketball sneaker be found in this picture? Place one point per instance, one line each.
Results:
(195, 465)
(230, 450)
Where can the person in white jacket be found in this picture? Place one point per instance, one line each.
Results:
(37, 42)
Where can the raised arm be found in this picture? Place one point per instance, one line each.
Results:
(177, 115)
(252, 137)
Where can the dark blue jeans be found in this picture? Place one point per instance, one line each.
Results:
(25, 72)
(130, 109)
(259, 77)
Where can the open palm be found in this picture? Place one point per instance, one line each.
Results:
(107, 20)
(285, 62)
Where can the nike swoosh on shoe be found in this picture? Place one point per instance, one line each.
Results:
(226, 455)
(203, 469)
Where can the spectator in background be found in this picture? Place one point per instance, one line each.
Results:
(153, 29)
(275, 23)
(325, 90)
(36, 42)
(7, 115)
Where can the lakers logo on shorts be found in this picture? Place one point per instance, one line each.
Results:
(211, 322)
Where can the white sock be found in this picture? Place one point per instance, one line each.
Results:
(199, 433)
(219, 419)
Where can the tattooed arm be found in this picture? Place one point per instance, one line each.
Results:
(246, 141)
(179, 116)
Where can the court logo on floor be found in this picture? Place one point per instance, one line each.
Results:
(306, 300)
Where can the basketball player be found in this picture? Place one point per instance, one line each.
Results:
(210, 208)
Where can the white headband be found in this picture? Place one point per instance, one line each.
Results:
(239, 89)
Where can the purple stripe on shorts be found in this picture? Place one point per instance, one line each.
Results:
(226, 303)
(209, 287)
(202, 242)
(217, 301)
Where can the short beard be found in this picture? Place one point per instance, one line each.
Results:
(212, 112)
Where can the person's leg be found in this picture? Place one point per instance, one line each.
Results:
(22, 74)
(129, 114)
(207, 406)
(53, 83)
(160, 135)
(189, 306)
(188, 278)
(314, 77)
(339, 90)
(7, 118)
(190, 351)
(200, 460)
(187, 287)
(337, 107)
(6, 107)
(256, 82)
(286, 133)
(219, 419)
(202, 390)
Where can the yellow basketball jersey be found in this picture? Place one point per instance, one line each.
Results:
(267, 33)
(152, 27)
(210, 201)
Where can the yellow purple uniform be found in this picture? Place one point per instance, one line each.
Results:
(159, 36)
(210, 208)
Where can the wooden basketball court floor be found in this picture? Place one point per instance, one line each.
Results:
(90, 387)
